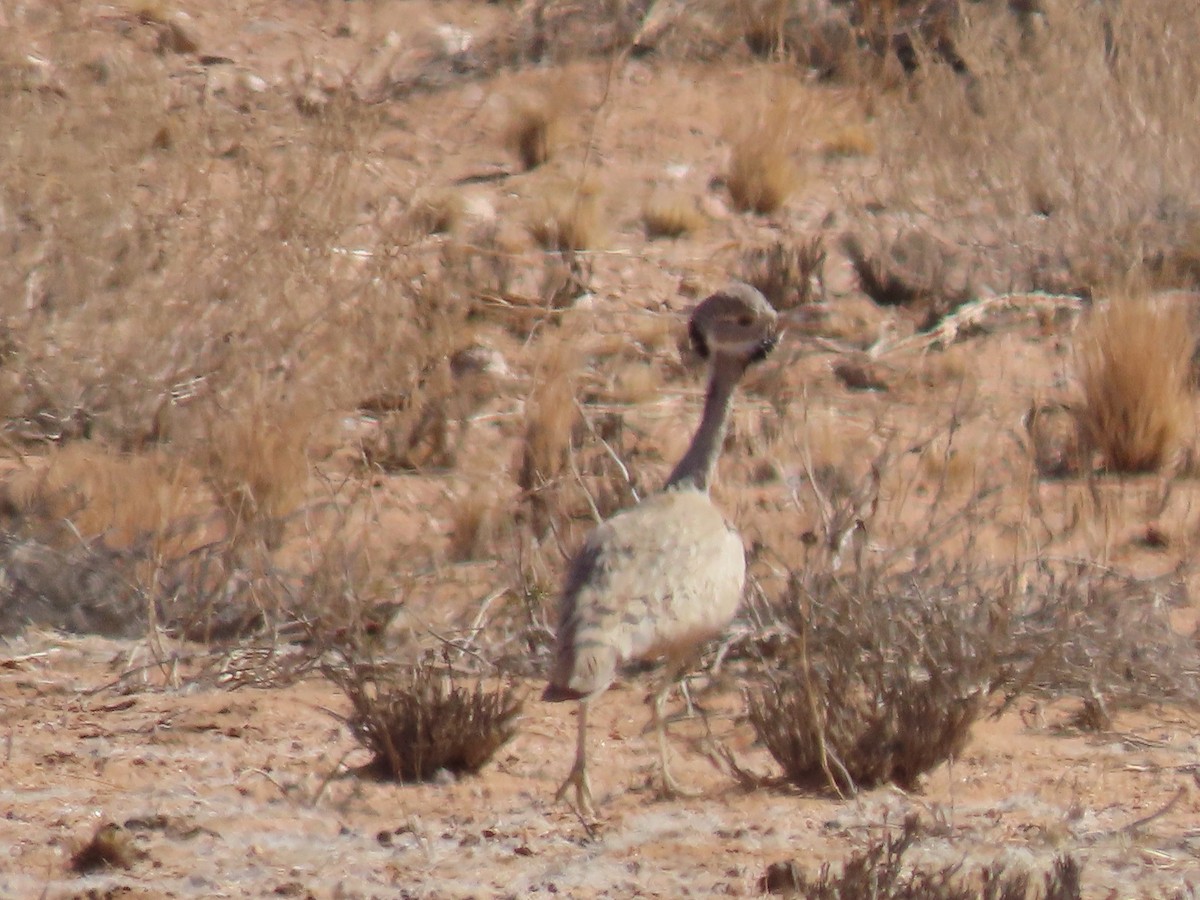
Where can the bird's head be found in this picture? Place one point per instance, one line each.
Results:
(737, 323)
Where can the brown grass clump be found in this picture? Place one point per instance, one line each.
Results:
(850, 140)
(476, 522)
(535, 129)
(761, 175)
(118, 498)
(420, 721)
(788, 274)
(439, 212)
(258, 466)
(1134, 364)
(671, 214)
(570, 217)
(763, 172)
(883, 871)
(111, 847)
(550, 418)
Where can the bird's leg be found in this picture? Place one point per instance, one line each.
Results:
(579, 777)
(670, 787)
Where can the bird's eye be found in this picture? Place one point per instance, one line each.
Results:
(745, 321)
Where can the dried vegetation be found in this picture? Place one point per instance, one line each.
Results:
(420, 721)
(1135, 360)
(883, 871)
(361, 387)
(883, 681)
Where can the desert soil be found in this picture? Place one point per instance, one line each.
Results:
(251, 791)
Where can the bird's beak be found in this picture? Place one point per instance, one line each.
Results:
(802, 320)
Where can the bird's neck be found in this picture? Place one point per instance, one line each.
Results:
(696, 468)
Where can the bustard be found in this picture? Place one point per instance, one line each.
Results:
(661, 578)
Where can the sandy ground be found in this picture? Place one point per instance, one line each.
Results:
(245, 793)
(248, 792)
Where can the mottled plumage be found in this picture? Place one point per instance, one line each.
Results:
(654, 581)
(660, 579)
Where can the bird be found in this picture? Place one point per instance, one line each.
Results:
(659, 579)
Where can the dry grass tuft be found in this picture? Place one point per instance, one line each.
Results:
(535, 128)
(439, 212)
(849, 140)
(883, 871)
(476, 522)
(420, 721)
(570, 217)
(550, 418)
(762, 174)
(118, 498)
(671, 214)
(1134, 364)
(257, 463)
(788, 274)
(111, 847)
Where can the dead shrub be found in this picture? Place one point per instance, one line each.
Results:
(1105, 636)
(883, 871)
(1134, 364)
(914, 270)
(671, 214)
(788, 274)
(884, 681)
(420, 720)
(881, 661)
(83, 588)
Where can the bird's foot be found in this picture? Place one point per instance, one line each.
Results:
(578, 779)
